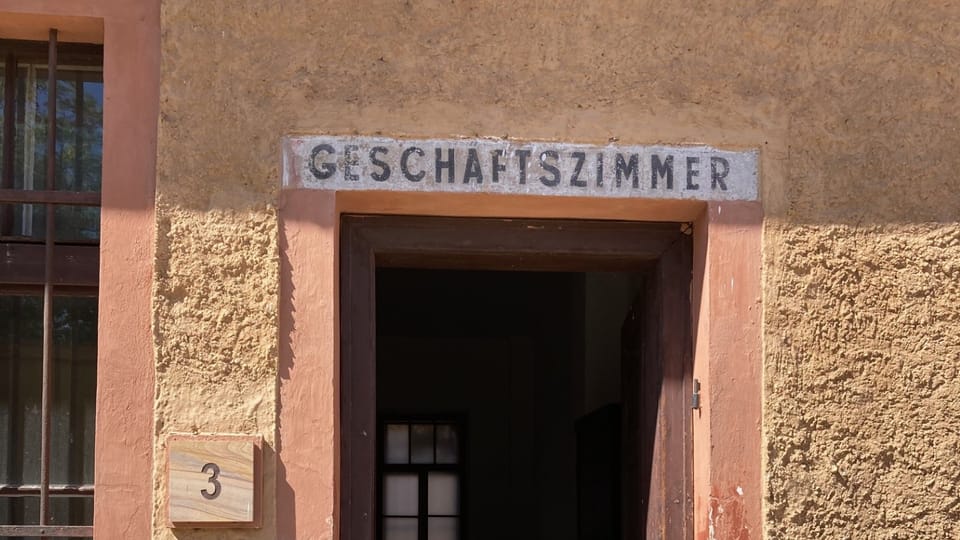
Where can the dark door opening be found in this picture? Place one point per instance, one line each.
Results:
(525, 367)
(514, 393)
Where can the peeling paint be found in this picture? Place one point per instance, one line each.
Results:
(726, 516)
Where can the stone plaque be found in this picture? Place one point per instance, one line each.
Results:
(504, 166)
(212, 480)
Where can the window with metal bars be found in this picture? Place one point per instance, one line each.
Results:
(50, 166)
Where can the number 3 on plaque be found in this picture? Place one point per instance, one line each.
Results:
(214, 471)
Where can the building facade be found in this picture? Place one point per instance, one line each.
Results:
(815, 327)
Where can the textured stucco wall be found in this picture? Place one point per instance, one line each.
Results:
(856, 110)
(862, 357)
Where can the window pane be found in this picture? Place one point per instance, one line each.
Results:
(79, 144)
(21, 329)
(28, 222)
(22, 222)
(443, 528)
(71, 510)
(31, 127)
(422, 443)
(443, 494)
(400, 495)
(77, 224)
(20, 510)
(447, 446)
(398, 444)
(400, 529)
(74, 390)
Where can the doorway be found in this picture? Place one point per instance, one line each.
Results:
(514, 379)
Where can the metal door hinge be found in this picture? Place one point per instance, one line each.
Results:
(695, 399)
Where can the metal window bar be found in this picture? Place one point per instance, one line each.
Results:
(49, 197)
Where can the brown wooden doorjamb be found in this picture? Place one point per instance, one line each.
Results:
(661, 250)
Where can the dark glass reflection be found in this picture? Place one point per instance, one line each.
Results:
(72, 415)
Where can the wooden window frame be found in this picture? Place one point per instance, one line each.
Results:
(662, 250)
(47, 267)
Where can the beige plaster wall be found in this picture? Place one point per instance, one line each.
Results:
(854, 107)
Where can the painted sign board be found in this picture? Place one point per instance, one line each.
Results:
(506, 166)
(212, 481)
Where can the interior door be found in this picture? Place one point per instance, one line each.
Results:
(655, 378)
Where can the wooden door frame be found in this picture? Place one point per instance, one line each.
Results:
(663, 249)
